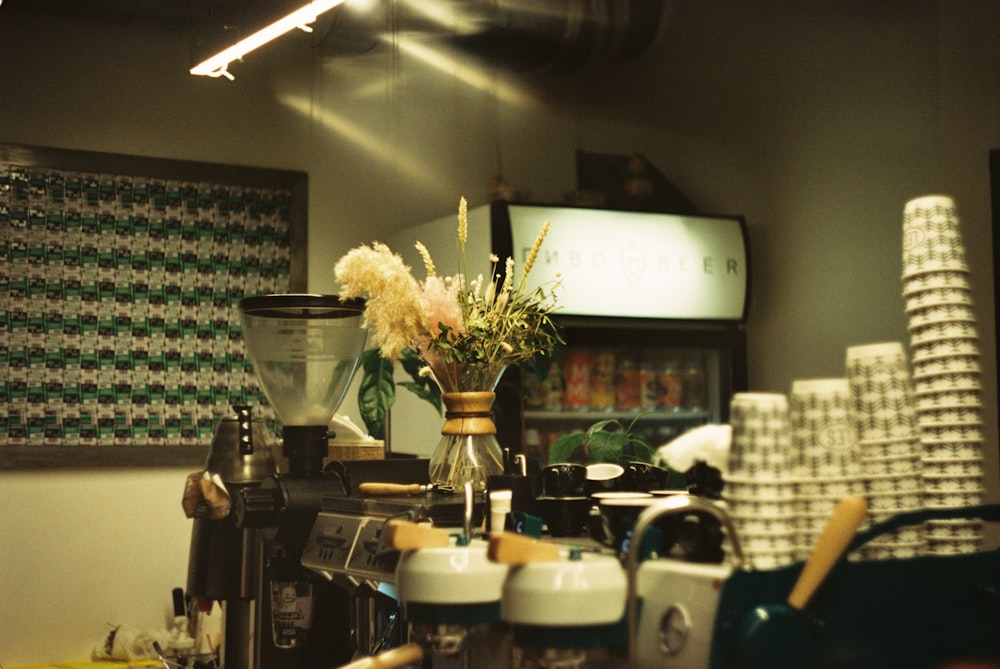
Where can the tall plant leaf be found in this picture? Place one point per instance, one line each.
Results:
(377, 392)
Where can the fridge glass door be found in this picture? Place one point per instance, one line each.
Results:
(656, 391)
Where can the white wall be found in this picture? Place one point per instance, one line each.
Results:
(817, 121)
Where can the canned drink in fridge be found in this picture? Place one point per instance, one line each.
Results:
(648, 385)
(576, 366)
(695, 396)
(602, 380)
(628, 389)
(671, 386)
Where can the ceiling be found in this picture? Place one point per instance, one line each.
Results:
(557, 35)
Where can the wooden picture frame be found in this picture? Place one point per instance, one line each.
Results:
(120, 342)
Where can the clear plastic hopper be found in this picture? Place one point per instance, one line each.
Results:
(304, 349)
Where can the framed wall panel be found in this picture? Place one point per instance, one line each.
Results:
(120, 343)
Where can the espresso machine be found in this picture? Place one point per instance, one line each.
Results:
(304, 350)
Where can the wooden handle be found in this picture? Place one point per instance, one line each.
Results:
(403, 535)
(831, 544)
(396, 658)
(379, 489)
(515, 549)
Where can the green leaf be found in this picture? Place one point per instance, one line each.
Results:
(605, 446)
(423, 387)
(568, 448)
(377, 392)
(637, 450)
(430, 393)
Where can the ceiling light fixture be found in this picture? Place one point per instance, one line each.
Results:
(218, 65)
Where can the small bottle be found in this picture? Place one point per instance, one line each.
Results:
(648, 384)
(671, 386)
(695, 397)
(576, 366)
(628, 393)
(602, 380)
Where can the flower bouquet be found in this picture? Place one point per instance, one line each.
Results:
(466, 332)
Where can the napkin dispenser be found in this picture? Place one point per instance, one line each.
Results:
(924, 612)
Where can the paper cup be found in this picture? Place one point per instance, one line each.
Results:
(893, 465)
(934, 332)
(937, 295)
(823, 436)
(956, 364)
(904, 446)
(941, 313)
(916, 281)
(945, 347)
(884, 505)
(760, 435)
(971, 466)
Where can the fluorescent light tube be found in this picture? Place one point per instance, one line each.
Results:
(218, 65)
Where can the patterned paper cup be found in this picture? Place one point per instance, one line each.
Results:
(893, 483)
(810, 505)
(944, 348)
(934, 432)
(935, 296)
(885, 504)
(760, 524)
(934, 332)
(931, 399)
(941, 313)
(935, 450)
(953, 546)
(948, 381)
(934, 484)
(746, 487)
(780, 540)
(904, 446)
(952, 499)
(893, 465)
(907, 533)
(949, 414)
(955, 364)
(932, 279)
(972, 467)
(959, 528)
(887, 549)
(823, 436)
(881, 391)
(831, 486)
(931, 235)
(760, 435)
(761, 558)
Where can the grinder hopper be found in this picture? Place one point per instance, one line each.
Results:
(304, 349)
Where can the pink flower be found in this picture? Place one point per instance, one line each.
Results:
(441, 305)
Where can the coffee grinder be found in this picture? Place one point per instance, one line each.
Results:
(224, 560)
(305, 350)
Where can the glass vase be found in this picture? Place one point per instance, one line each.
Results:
(468, 450)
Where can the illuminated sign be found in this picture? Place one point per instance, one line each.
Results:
(632, 264)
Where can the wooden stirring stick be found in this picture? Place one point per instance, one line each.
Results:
(831, 544)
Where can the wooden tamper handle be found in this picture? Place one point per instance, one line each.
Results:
(516, 549)
(403, 535)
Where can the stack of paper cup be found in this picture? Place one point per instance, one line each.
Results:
(888, 442)
(946, 372)
(758, 490)
(825, 459)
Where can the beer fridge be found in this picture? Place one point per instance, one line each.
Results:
(652, 307)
